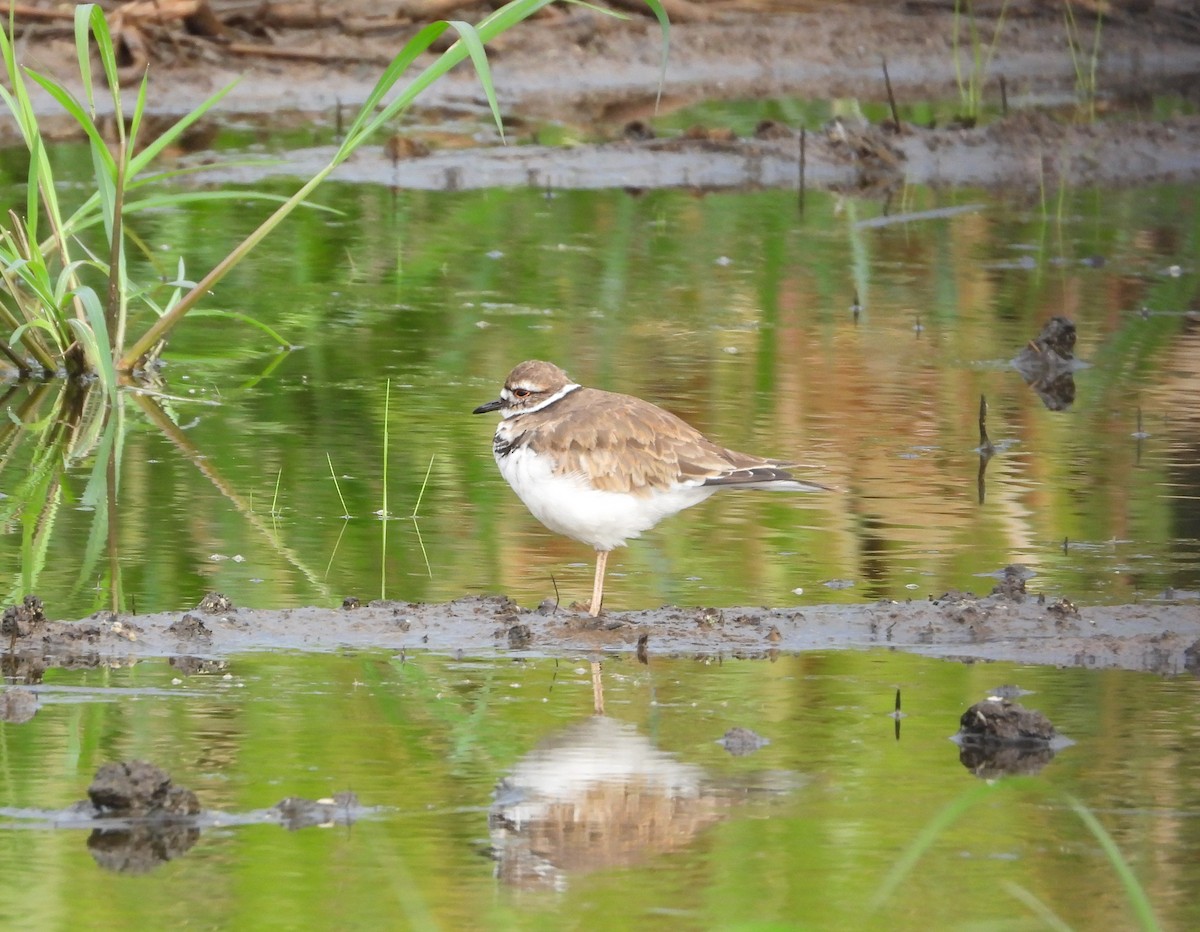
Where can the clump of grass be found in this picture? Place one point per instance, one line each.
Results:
(970, 85)
(67, 290)
(1085, 68)
(66, 305)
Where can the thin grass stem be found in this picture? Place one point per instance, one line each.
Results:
(345, 510)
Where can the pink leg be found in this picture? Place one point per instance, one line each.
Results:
(598, 585)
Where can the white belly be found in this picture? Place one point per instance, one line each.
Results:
(567, 505)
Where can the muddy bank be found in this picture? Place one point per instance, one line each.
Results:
(1024, 151)
(596, 75)
(1160, 637)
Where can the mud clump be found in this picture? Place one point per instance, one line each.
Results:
(999, 737)
(1002, 721)
(1047, 363)
(190, 627)
(215, 604)
(20, 621)
(1012, 583)
(141, 790)
(152, 820)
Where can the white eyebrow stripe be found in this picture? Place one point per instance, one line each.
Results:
(561, 393)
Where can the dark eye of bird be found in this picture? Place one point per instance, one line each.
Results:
(521, 392)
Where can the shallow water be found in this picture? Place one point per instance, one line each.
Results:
(733, 310)
(610, 821)
(856, 345)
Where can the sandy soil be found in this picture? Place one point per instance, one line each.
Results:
(599, 74)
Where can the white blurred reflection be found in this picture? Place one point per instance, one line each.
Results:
(596, 795)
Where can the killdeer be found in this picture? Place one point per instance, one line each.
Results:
(601, 467)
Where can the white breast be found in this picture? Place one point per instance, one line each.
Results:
(569, 505)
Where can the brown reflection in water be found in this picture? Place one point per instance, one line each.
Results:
(596, 795)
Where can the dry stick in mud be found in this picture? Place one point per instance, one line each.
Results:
(887, 82)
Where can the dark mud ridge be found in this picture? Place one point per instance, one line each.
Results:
(1161, 636)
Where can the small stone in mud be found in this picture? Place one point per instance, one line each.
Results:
(519, 636)
(189, 626)
(351, 602)
(1004, 722)
(547, 607)
(17, 706)
(742, 741)
(136, 788)
(215, 604)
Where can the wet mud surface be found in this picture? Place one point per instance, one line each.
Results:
(1158, 636)
(600, 77)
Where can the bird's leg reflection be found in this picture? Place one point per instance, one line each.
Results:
(598, 687)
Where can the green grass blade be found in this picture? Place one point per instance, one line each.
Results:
(245, 319)
(31, 189)
(665, 27)
(83, 14)
(79, 114)
(1044, 913)
(925, 840)
(469, 37)
(168, 137)
(93, 336)
(135, 121)
(367, 120)
(1133, 889)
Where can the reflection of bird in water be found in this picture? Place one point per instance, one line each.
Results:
(599, 795)
(596, 795)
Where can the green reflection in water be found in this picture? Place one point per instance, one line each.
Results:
(654, 822)
(732, 310)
